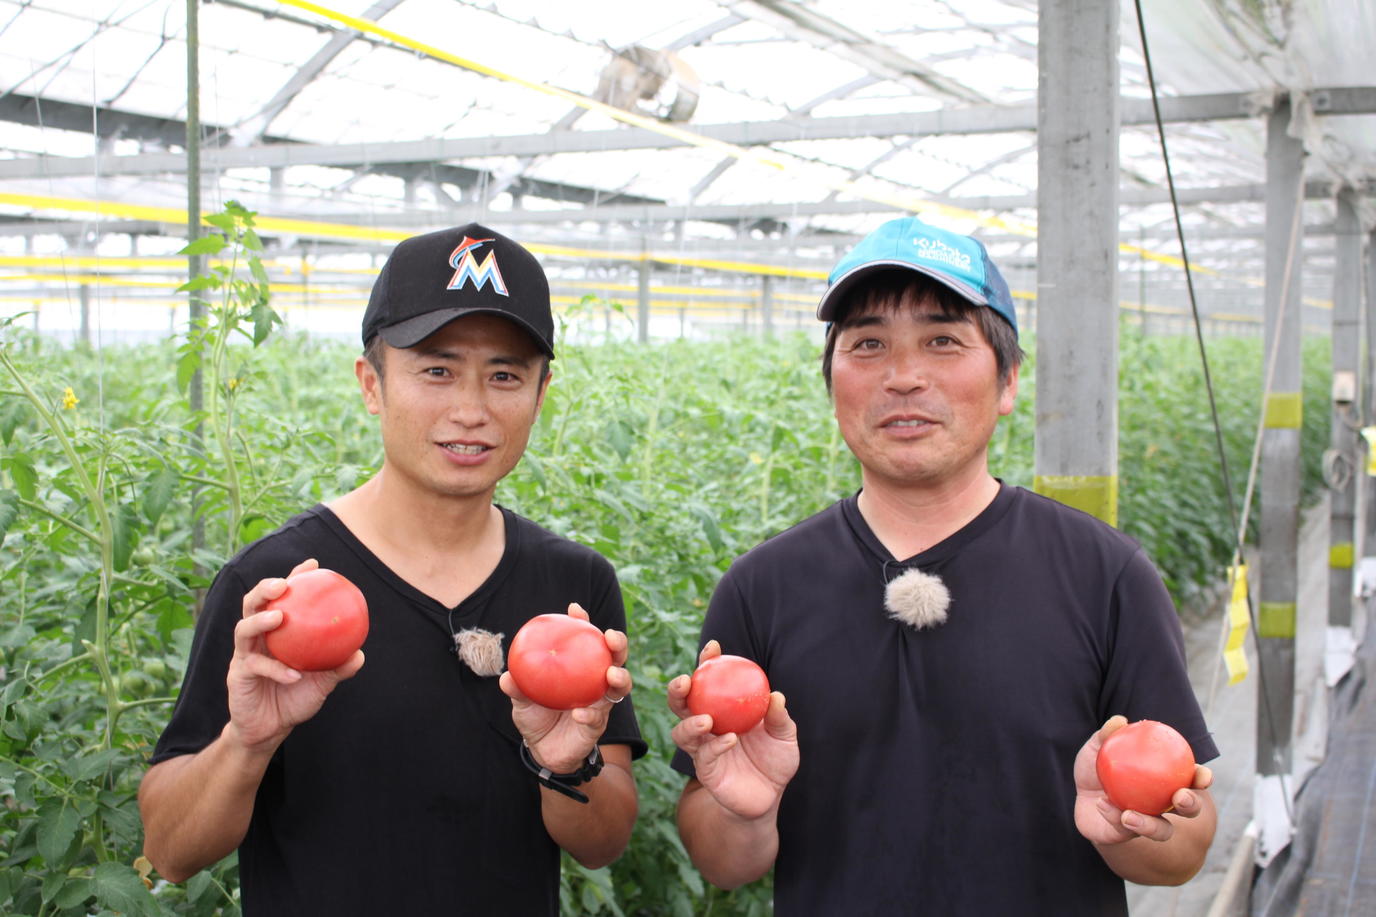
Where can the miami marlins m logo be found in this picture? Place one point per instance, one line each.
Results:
(467, 267)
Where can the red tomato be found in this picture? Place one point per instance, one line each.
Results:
(733, 690)
(560, 661)
(1143, 764)
(324, 621)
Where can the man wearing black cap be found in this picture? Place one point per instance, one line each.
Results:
(953, 650)
(421, 781)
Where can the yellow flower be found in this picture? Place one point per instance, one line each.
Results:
(756, 458)
(233, 383)
(69, 399)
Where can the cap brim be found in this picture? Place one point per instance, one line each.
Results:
(412, 331)
(837, 292)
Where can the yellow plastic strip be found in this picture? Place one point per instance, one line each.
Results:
(1234, 650)
(1341, 556)
(1369, 434)
(1284, 411)
(1276, 620)
(1096, 495)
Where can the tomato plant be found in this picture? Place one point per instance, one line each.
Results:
(1143, 764)
(560, 661)
(733, 690)
(324, 621)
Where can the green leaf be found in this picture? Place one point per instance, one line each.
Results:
(203, 282)
(126, 525)
(709, 526)
(75, 890)
(119, 888)
(260, 274)
(250, 241)
(187, 365)
(58, 824)
(88, 767)
(158, 489)
(223, 221)
(20, 466)
(9, 511)
(13, 412)
(205, 245)
(263, 319)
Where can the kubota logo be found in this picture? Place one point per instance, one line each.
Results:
(936, 250)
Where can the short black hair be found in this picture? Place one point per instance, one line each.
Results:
(887, 289)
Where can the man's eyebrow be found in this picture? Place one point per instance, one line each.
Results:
(880, 318)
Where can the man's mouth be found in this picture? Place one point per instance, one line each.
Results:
(466, 448)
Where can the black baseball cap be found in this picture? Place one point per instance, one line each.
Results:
(432, 279)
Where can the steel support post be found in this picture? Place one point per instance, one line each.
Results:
(1280, 486)
(1076, 447)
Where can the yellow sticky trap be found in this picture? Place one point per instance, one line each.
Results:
(1369, 434)
(1094, 494)
(1284, 411)
(1234, 651)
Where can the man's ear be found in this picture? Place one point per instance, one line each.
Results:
(369, 384)
(544, 388)
(1009, 395)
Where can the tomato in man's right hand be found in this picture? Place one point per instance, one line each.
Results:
(324, 621)
(559, 661)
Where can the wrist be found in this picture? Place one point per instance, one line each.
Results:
(564, 782)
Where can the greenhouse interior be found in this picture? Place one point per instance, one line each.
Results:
(197, 198)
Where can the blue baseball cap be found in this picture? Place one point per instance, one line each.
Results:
(953, 260)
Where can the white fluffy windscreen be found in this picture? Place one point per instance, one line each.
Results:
(917, 599)
(481, 651)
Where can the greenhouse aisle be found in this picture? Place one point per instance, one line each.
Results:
(1231, 713)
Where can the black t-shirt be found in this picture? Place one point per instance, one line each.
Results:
(936, 765)
(405, 794)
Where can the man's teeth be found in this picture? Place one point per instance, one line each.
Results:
(907, 423)
(463, 449)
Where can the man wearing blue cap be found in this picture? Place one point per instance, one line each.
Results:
(420, 781)
(953, 650)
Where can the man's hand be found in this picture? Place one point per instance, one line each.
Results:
(1103, 823)
(561, 740)
(268, 698)
(746, 774)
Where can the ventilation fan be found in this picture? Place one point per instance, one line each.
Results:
(649, 81)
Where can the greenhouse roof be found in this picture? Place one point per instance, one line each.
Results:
(720, 140)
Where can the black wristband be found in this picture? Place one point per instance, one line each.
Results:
(564, 783)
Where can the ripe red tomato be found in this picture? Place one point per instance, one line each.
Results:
(560, 661)
(324, 621)
(1143, 764)
(733, 690)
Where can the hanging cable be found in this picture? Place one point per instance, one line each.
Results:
(1239, 526)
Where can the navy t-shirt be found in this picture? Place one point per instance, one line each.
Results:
(936, 765)
(405, 794)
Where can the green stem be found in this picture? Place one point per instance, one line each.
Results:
(63, 666)
(61, 520)
(106, 527)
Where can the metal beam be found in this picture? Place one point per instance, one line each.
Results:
(973, 120)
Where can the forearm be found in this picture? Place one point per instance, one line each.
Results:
(727, 849)
(196, 808)
(1173, 862)
(595, 832)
